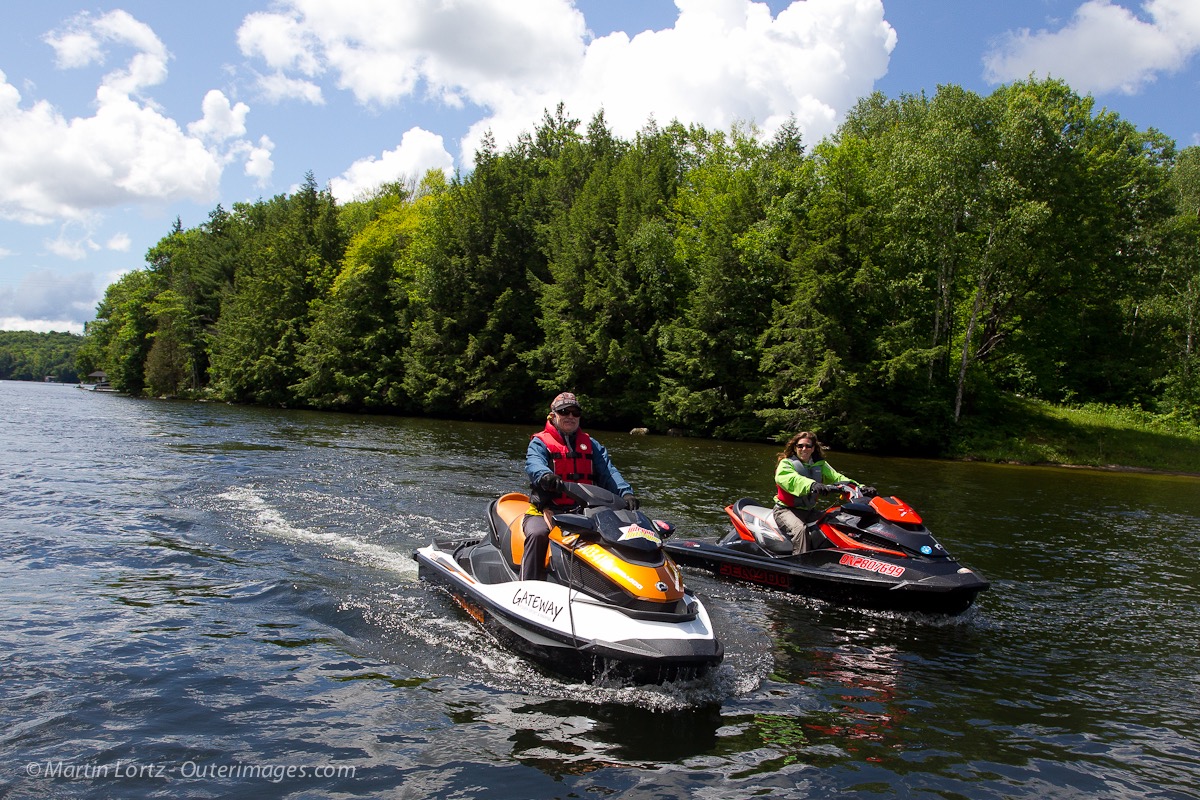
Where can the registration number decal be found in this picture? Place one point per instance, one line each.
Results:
(871, 565)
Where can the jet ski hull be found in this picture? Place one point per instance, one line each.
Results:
(861, 579)
(566, 631)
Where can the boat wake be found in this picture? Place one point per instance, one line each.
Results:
(422, 629)
(268, 520)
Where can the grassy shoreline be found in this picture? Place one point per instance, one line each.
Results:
(1093, 436)
(1037, 433)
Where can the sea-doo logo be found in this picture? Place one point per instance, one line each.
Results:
(871, 565)
(541, 605)
(765, 577)
(638, 532)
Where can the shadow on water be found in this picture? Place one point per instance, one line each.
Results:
(611, 734)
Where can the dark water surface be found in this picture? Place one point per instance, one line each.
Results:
(210, 601)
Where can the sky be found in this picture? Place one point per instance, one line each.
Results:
(117, 118)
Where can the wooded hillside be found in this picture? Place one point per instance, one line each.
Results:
(29, 356)
(887, 286)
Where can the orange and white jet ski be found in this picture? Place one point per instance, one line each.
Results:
(613, 603)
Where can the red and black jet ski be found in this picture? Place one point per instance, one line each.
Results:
(876, 553)
(613, 603)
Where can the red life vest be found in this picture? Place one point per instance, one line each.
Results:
(570, 465)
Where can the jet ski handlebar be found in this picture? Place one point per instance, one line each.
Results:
(575, 523)
(592, 496)
(593, 499)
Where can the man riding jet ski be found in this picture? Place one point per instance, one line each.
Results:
(574, 575)
(612, 603)
(561, 452)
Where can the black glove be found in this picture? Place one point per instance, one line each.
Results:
(631, 502)
(551, 484)
(869, 491)
(825, 488)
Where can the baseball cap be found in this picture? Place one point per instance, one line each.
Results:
(565, 400)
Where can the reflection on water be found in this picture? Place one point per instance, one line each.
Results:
(864, 680)
(205, 582)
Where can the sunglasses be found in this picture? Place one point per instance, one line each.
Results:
(569, 412)
(804, 446)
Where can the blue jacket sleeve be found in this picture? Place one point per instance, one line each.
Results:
(537, 460)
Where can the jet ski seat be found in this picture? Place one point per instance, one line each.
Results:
(505, 522)
(760, 521)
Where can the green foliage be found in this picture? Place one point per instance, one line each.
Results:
(711, 351)
(29, 356)
(1173, 310)
(289, 253)
(894, 287)
(977, 245)
(612, 276)
(472, 315)
(119, 340)
(171, 362)
(1093, 434)
(353, 356)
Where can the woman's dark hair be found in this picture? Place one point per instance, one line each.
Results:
(789, 450)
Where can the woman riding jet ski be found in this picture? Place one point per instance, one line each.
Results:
(870, 553)
(612, 603)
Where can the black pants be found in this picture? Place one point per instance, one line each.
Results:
(537, 541)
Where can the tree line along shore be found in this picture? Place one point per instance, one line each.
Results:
(946, 275)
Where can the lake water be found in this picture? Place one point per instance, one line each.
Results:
(202, 600)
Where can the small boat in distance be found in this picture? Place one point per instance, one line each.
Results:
(99, 382)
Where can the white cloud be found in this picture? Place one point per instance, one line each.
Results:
(258, 161)
(58, 168)
(1105, 47)
(221, 121)
(380, 50)
(40, 325)
(75, 49)
(70, 249)
(419, 152)
(277, 87)
(128, 151)
(282, 41)
(73, 242)
(40, 300)
(724, 60)
(82, 44)
(119, 243)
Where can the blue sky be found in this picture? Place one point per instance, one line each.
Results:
(118, 117)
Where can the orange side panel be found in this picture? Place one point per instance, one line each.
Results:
(511, 508)
(637, 579)
(472, 609)
(845, 542)
(738, 525)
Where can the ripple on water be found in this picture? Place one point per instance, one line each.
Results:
(219, 583)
